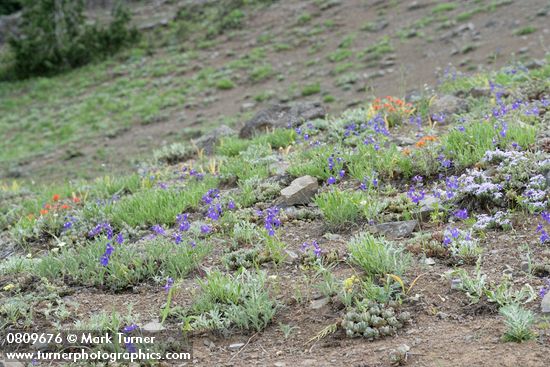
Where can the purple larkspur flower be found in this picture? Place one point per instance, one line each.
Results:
(416, 195)
(104, 260)
(546, 216)
(183, 221)
(210, 195)
(177, 238)
(342, 173)
(119, 239)
(130, 328)
(330, 160)
(271, 219)
(214, 212)
(455, 232)
(67, 225)
(205, 228)
(157, 228)
(316, 249)
(231, 205)
(169, 284)
(331, 180)
(461, 214)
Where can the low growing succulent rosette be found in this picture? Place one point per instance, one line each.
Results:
(373, 320)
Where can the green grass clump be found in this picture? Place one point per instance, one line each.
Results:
(377, 50)
(311, 89)
(252, 162)
(107, 186)
(227, 301)
(129, 264)
(518, 322)
(376, 256)
(340, 55)
(525, 31)
(231, 146)
(340, 208)
(158, 206)
(278, 138)
(387, 162)
(469, 146)
(173, 153)
(443, 8)
(261, 73)
(225, 84)
(313, 162)
(304, 18)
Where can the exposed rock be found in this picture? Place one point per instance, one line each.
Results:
(291, 256)
(456, 284)
(545, 304)
(152, 25)
(429, 261)
(415, 5)
(247, 106)
(13, 364)
(413, 95)
(208, 141)
(534, 64)
(480, 92)
(403, 141)
(378, 26)
(427, 206)
(153, 326)
(319, 303)
(236, 346)
(300, 191)
(395, 229)
(282, 115)
(447, 105)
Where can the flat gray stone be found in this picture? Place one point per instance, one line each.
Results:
(236, 346)
(429, 261)
(545, 304)
(446, 106)
(208, 141)
(427, 206)
(395, 229)
(282, 115)
(319, 303)
(300, 191)
(153, 326)
(456, 284)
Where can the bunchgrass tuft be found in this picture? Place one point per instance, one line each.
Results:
(340, 208)
(376, 256)
(226, 301)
